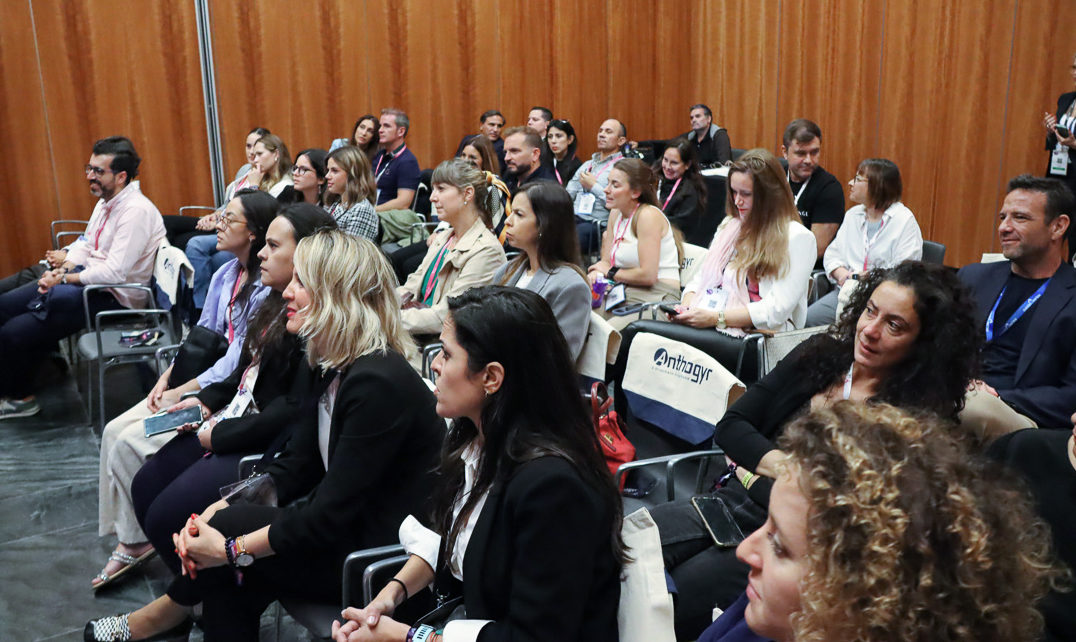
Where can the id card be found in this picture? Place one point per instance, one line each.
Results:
(1059, 161)
(584, 203)
(615, 296)
(713, 299)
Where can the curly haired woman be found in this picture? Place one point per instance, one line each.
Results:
(882, 526)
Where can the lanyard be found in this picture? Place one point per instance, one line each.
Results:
(607, 166)
(430, 282)
(848, 381)
(621, 231)
(231, 304)
(796, 197)
(665, 205)
(868, 243)
(97, 239)
(1015, 315)
(391, 156)
(559, 179)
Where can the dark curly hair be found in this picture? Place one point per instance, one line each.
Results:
(945, 356)
(910, 536)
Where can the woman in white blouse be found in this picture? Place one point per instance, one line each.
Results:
(756, 271)
(878, 232)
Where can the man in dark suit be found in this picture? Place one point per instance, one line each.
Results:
(523, 158)
(1028, 304)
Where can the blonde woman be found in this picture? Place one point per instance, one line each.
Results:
(464, 256)
(350, 191)
(272, 161)
(356, 465)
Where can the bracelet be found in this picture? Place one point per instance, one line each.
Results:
(407, 596)
(421, 633)
(747, 477)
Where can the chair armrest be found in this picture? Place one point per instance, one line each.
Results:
(365, 557)
(670, 462)
(86, 289)
(162, 354)
(429, 353)
(422, 224)
(371, 569)
(65, 221)
(200, 208)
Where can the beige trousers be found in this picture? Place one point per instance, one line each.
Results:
(661, 291)
(124, 448)
(989, 417)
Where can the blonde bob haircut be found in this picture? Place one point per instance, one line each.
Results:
(361, 185)
(353, 309)
(762, 249)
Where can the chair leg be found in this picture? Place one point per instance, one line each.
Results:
(101, 393)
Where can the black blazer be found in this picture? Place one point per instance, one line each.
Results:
(1046, 372)
(1064, 101)
(539, 562)
(384, 442)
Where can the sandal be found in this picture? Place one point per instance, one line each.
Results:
(130, 562)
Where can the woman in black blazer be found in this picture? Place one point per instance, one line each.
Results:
(526, 505)
(355, 467)
(681, 190)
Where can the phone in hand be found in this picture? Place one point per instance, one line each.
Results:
(669, 308)
(165, 421)
(718, 520)
(1062, 131)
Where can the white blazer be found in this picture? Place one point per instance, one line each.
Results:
(898, 240)
(784, 299)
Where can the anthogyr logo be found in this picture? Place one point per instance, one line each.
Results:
(677, 363)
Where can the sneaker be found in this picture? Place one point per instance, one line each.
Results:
(11, 408)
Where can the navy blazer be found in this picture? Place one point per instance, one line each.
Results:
(1046, 372)
(540, 562)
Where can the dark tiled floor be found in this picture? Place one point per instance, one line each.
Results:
(49, 547)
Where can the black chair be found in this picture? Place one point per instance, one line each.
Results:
(933, 252)
(421, 204)
(714, 214)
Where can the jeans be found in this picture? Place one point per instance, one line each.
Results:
(204, 257)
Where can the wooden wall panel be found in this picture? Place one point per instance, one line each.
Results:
(29, 202)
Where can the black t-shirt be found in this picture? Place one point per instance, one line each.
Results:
(821, 201)
(1001, 355)
(1041, 457)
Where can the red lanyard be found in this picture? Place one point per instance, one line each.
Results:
(97, 239)
(621, 231)
(559, 179)
(608, 166)
(231, 304)
(391, 156)
(665, 205)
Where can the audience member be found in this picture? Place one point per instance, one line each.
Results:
(119, 246)
(878, 232)
(681, 190)
(351, 192)
(490, 124)
(464, 256)
(1063, 148)
(340, 484)
(587, 187)
(235, 294)
(883, 527)
(539, 119)
(640, 258)
(756, 271)
(525, 514)
(711, 142)
(1046, 459)
(479, 152)
(1027, 305)
(364, 135)
(396, 169)
(523, 158)
(542, 226)
(560, 137)
(308, 176)
(907, 338)
(816, 192)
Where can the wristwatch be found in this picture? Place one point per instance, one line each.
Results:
(421, 633)
(609, 276)
(237, 552)
(721, 320)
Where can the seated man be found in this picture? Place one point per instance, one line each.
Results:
(490, 124)
(711, 142)
(818, 194)
(395, 167)
(523, 158)
(120, 246)
(1028, 308)
(587, 187)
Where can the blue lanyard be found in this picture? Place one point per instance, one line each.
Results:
(1015, 315)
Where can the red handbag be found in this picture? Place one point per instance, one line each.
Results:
(615, 446)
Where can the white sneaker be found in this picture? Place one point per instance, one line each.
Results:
(12, 408)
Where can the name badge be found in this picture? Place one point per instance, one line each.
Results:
(713, 299)
(614, 297)
(584, 203)
(239, 405)
(1059, 161)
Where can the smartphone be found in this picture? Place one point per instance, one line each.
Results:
(1062, 131)
(669, 308)
(165, 421)
(718, 520)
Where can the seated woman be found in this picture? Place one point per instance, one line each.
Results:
(542, 227)
(353, 469)
(525, 513)
(464, 256)
(681, 190)
(640, 258)
(883, 527)
(308, 176)
(236, 292)
(756, 271)
(560, 136)
(364, 135)
(185, 475)
(908, 338)
(351, 191)
(878, 232)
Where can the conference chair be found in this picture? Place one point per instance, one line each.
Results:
(933, 252)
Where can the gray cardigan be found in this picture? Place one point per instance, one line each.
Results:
(567, 293)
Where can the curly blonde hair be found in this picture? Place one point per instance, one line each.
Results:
(909, 538)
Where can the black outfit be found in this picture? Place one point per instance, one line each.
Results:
(1041, 457)
(498, 147)
(540, 562)
(821, 201)
(384, 439)
(714, 148)
(684, 210)
(1002, 353)
(564, 170)
(1064, 102)
(542, 173)
(183, 478)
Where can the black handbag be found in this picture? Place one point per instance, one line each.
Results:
(200, 350)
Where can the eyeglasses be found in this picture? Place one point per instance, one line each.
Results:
(300, 170)
(228, 219)
(859, 179)
(97, 171)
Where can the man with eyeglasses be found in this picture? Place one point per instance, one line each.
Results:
(119, 246)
